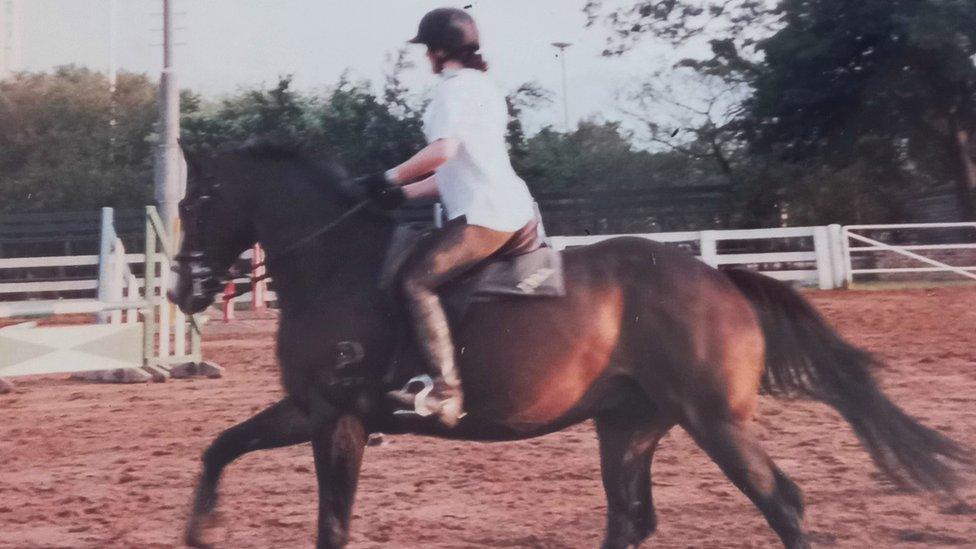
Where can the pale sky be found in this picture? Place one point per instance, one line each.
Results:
(229, 44)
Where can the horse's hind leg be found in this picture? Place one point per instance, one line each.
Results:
(282, 424)
(737, 452)
(626, 450)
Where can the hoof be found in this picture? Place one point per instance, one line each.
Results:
(192, 538)
(195, 529)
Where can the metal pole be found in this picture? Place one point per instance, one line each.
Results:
(105, 259)
(11, 39)
(113, 46)
(562, 57)
(5, 27)
(168, 175)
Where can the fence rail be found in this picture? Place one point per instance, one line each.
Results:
(828, 256)
(894, 258)
(825, 270)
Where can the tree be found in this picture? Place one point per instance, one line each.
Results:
(530, 95)
(868, 102)
(66, 143)
(280, 113)
(884, 87)
(602, 156)
(693, 108)
(736, 22)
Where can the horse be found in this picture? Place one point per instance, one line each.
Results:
(646, 338)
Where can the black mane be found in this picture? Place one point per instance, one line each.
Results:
(325, 170)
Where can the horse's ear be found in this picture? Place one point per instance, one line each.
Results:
(192, 158)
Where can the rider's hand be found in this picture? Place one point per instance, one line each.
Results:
(381, 192)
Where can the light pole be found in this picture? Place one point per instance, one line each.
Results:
(11, 20)
(168, 175)
(561, 46)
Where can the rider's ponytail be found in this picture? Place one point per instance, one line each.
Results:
(470, 58)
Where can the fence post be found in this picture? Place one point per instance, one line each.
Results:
(845, 245)
(835, 233)
(118, 278)
(149, 289)
(106, 242)
(825, 267)
(259, 288)
(709, 248)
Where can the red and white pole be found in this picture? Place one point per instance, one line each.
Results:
(259, 291)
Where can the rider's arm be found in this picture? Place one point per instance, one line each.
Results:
(424, 162)
(425, 188)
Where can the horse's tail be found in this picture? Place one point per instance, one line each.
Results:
(805, 357)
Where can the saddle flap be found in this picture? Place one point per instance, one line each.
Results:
(538, 273)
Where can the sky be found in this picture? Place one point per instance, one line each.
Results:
(224, 45)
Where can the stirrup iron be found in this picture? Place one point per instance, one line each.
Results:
(420, 407)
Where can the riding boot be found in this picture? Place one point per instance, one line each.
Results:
(446, 399)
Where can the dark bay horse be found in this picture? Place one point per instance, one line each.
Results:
(645, 339)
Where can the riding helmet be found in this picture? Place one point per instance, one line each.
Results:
(447, 29)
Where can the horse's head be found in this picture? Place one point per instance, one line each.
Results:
(216, 230)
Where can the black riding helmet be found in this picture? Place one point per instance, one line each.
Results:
(447, 29)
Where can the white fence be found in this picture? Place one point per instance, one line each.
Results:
(821, 262)
(826, 256)
(162, 333)
(953, 253)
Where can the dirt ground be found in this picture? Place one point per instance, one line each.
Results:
(86, 465)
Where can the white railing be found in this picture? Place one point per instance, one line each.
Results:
(875, 246)
(830, 262)
(167, 337)
(825, 257)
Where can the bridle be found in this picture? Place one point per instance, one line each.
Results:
(204, 278)
(206, 281)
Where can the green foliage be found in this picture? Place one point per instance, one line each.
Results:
(58, 152)
(279, 113)
(602, 156)
(59, 147)
(365, 132)
(848, 109)
(877, 88)
(528, 96)
(351, 124)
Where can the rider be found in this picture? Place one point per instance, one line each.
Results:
(487, 202)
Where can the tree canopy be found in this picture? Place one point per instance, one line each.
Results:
(845, 110)
(67, 143)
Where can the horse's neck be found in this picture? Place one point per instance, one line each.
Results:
(340, 266)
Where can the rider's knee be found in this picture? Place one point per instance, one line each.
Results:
(415, 287)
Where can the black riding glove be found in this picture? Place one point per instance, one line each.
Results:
(381, 192)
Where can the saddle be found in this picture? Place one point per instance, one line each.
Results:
(524, 268)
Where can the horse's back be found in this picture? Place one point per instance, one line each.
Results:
(633, 308)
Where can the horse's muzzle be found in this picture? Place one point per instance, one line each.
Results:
(195, 287)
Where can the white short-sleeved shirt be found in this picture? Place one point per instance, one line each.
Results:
(478, 182)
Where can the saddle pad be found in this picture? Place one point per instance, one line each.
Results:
(538, 273)
(535, 274)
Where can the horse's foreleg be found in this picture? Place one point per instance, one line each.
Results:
(338, 441)
(736, 451)
(282, 424)
(626, 451)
